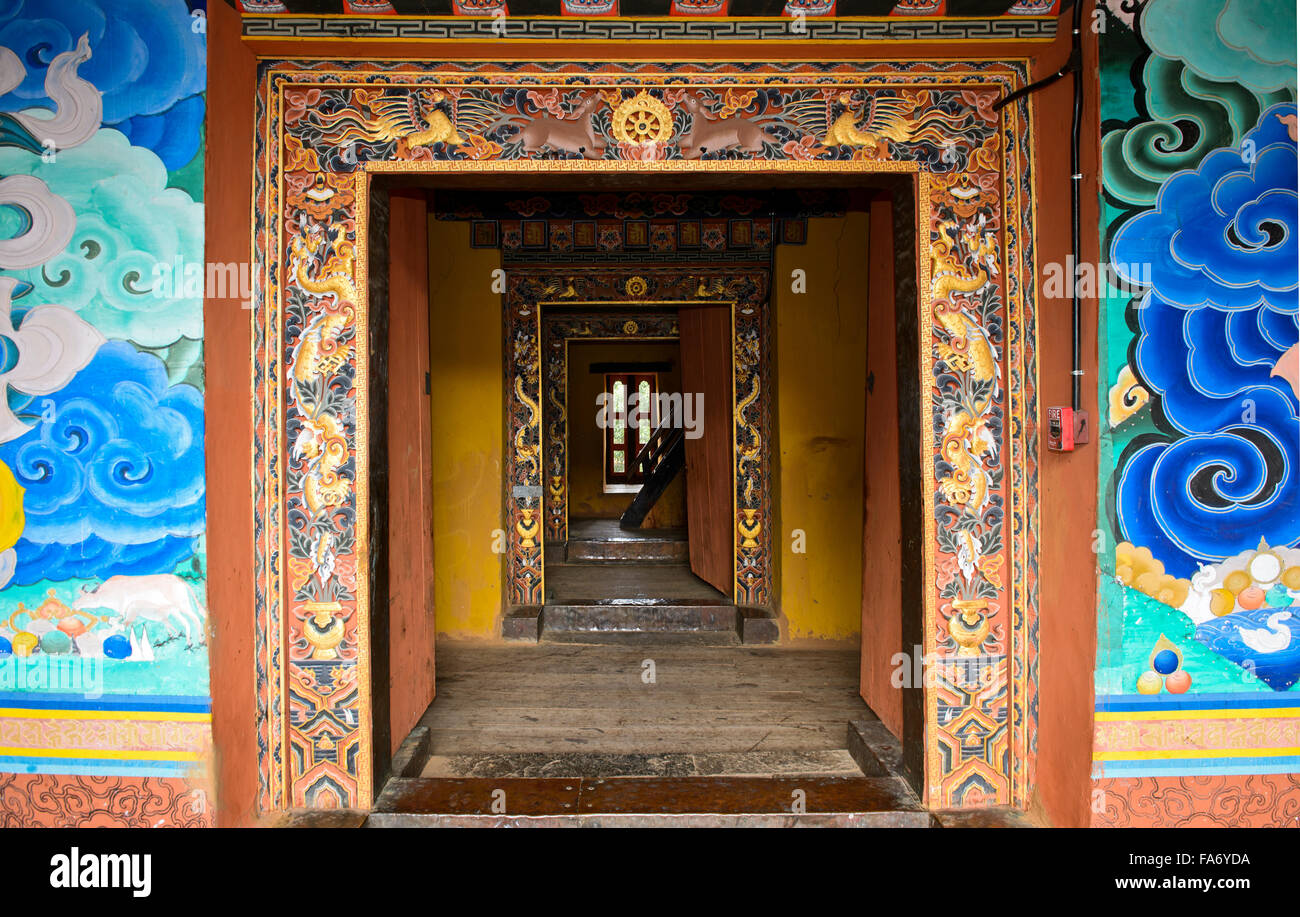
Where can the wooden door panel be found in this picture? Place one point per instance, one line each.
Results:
(706, 370)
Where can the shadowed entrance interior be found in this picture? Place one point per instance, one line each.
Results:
(638, 667)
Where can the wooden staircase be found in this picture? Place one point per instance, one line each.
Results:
(659, 461)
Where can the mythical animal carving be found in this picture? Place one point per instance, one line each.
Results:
(968, 347)
(710, 135)
(403, 117)
(569, 135)
(524, 450)
(318, 351)
(840, 121)
(966, 439)
(336, 276)
(323, 444)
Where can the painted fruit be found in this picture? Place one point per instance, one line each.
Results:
(1179, 682)
(1222, 602)
(73, 627)
(1250, 598)
(117, 647)
(56, 643)
(24, 643)
(1149, 683)
(1236, 581)
(1166, 661)
(1291, 577)
(91, 645)
(6, 648)
(1278, 597)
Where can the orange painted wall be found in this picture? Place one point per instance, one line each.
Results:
(1067, 481)
(228, 336)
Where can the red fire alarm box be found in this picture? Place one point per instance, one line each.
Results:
(1060, 429)
(1066, 428)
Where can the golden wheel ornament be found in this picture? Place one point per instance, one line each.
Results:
(642, 119)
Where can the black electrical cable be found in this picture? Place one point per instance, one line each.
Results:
(1076, 178)
(1072, 66)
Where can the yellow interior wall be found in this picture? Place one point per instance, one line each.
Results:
(467, 431)
(587, 498)
(821, 367)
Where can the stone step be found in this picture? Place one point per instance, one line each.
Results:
(601, 541)
(835, 762)
(639, 621)
(627, 551)
(620, 623)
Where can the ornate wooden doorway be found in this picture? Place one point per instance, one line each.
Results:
(320, 145)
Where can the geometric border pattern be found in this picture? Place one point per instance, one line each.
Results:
(684, 29)
(326, 128)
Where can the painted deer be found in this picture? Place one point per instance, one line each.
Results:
(571, 135)
(707, 136)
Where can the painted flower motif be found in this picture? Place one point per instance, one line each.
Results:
(805, 148)
(649, 151)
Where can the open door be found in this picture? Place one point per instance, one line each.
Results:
(706, 371)
(409, 473)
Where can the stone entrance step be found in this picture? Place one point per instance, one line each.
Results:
(614, 621)
(825, 763)
(601, 541)
(637, 604)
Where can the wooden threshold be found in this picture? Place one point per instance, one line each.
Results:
(648, 802)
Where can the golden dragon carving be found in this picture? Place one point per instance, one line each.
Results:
(336, 276)
(967, 348)
(321, 351)
(526, 451)
(323, 444)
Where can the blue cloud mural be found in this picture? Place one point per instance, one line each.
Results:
(175, 135)
(1224, 234)
(127, 222)
(113, 472)
(1219, 316)
(146, 56)
(1239, 41)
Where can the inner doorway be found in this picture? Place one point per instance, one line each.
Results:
(464, 659)
(625, 567)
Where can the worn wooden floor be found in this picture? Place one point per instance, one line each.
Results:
(547, 701)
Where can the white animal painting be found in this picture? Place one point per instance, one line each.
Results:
(164, 598)
(1272, 639)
